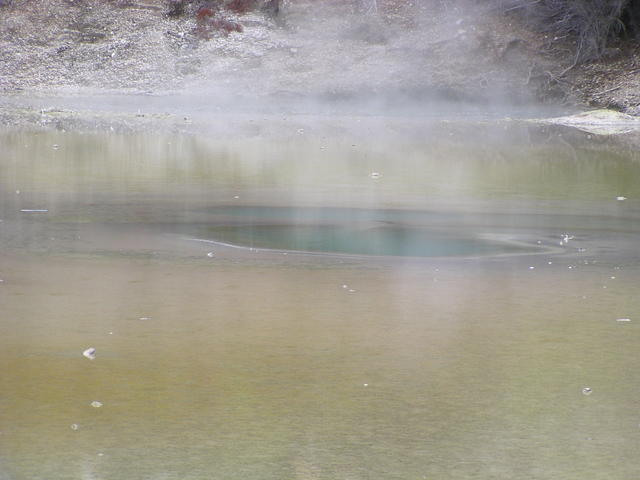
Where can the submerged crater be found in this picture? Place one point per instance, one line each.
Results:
(354, 231)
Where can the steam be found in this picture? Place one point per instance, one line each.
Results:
(368, 56)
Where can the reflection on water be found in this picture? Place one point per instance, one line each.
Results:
(265, 365)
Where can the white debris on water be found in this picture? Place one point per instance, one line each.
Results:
(145, 318)
(621, 198)
(90, 353)
(96, 404)
(623, 320)
(375, 175)
(587, 391)
(532, 268)
(34, 210)
(75, 426)
(565, 237)
(210, 254)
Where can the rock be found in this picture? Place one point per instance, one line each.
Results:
(599, 122)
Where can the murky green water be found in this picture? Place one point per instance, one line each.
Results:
(488, 281)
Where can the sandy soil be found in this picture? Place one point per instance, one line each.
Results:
(399, 56)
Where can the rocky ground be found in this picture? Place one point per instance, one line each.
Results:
(401, 55)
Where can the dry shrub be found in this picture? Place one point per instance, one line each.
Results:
(593, 23)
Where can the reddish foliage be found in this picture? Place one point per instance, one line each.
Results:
(226, 26)
(241, 6)
(209, 22)
(204, 12)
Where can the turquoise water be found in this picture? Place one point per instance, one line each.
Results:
(384, 240)
(351, 231)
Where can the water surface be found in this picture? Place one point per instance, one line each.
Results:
(267, 362)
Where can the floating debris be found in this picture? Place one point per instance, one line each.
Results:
(587, 391)
(145, 318)
(236, 196)
(55, 146)
(90, 353)
(345, 286)
(75, 426)
(210, 254)
(565, 237)
(365, 384)
(96, 404)
(375, 175)
(532, 268)
(34, 210)
(621, 198)
(351, 290)
(623, 320)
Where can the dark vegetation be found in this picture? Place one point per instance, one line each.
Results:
(593, 25)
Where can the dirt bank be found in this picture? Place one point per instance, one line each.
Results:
(397, 56)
